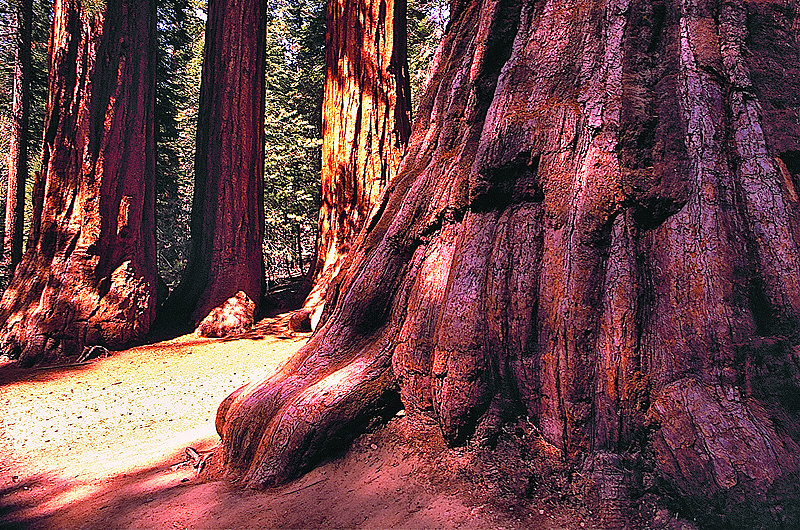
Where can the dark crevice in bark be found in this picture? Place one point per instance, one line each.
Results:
(653, 185)
(107, 62)
(514, 183)
(657, 25)
(763, 314)
(792, 161)
(446, 217)
(496, 51)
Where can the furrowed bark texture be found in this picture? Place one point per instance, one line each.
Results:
(18, 148)
(366, 125)
(596, 226)
(89, 276)
(227, 210)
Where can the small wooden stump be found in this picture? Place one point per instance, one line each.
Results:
(234, 317)
(300, 320)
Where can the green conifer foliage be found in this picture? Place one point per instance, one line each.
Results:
(295, 58)
(177, 93)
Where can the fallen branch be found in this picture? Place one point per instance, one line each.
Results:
(56, 366)
(195, 458)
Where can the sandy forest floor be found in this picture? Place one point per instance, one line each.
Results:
(94, 446)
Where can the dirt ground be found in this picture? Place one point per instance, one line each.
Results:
(95, 446)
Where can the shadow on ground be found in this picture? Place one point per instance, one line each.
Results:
(11, 372)
(378, 484)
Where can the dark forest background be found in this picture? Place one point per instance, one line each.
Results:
(293, 122)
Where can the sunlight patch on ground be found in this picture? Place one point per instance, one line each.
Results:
(75, 494)
(137, 405)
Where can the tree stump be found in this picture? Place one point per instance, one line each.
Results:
(234, 317)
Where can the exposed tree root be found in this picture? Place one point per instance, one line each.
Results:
(277, 428)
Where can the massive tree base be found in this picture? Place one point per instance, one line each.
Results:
(54, 318)
(596, 227)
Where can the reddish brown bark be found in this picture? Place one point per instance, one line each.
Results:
(18, 148)
(596, 226)
(89, 276)
(365, 122)
(227, 210)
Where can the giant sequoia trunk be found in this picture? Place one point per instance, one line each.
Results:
(365, 123)
(89, 276)
(596, 225)
(227, 211)
(18, 149)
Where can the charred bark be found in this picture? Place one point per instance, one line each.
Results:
(18, 149)
(225, 255)
(365, 122)
(595, 226)
(89, 276)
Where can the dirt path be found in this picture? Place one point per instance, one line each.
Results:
(93, 447)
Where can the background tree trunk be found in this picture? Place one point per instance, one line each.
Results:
(596, 226)
(366, 123)
(18, 149)
(227, 210)
(89, 277)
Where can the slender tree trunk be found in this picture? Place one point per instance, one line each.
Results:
(18, 149)
(366, 117)
(89, 277)
(299, 240)
(37, 199)
(596, 226)
(227, 210)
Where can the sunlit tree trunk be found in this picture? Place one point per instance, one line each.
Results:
(227, 210)
(596, 226)
(89, 275)
(366, 125)
(19, 140)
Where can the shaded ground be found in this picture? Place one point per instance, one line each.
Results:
(93, 446)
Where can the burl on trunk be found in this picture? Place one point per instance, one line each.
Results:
(596, 226)
(89, 275)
